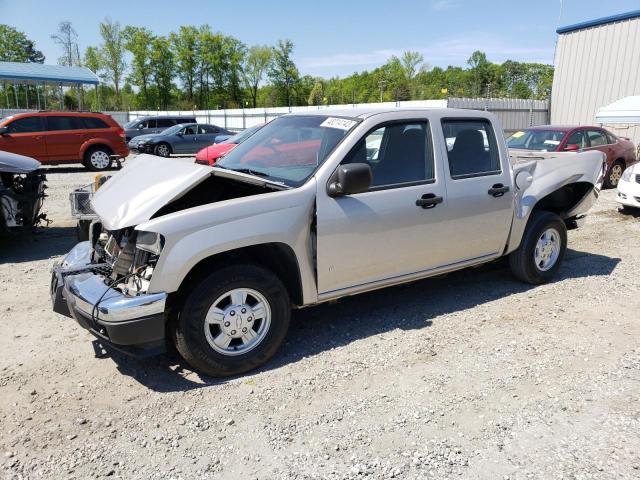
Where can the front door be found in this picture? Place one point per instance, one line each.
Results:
(394, 228)
(24, 137)
(186, 140)
(478, 182)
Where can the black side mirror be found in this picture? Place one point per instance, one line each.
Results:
(351, 178)
(4, 130)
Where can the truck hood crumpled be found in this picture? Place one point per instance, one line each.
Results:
(143, 187)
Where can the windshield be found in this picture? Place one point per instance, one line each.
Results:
(131, 124)
(289, 148)
(172, 130)
(238, 138)
(540, 140)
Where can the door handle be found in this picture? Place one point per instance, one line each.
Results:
(498, 190)
(428, 200)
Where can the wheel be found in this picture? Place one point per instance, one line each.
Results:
(614, 174)
(542, 249)
(233, 321)
(162, 150)
(82, 230)
(97, 159)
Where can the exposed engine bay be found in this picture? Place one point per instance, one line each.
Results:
(21, 193)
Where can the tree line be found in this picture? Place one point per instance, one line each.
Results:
(198, 68)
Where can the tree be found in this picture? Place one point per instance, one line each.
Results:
(411, 61)
(16, 47)
(67, 38)
(283, 72)
(185, 44)
(255, 66)
(162, 67)
(112, 53)
(316, 95)
(139, 40)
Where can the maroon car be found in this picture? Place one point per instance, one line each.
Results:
(620, 151)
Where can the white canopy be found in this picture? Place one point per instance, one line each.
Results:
(626, 110)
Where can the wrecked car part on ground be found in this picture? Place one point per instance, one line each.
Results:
(21, 192)
(312, 207)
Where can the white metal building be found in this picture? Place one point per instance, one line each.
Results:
(596, 63)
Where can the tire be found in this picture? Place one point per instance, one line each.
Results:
(194, 337)
(97, 159)
(163, 150)
(524, 263)
(82, 230)
(614, 174)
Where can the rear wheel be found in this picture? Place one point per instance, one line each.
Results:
(233, 321)
(97, 159)
(614, 174)
(540, 254)
(163, 150)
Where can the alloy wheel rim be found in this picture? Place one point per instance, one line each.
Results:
(547, 249)
(163, 150)
(99, 159)
(237, 321)
(616, 174)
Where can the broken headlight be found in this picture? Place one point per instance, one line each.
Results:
(151, 242)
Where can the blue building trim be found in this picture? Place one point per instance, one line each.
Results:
(599, 21)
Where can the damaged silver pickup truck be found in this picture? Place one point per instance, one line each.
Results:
(313, 207)
(21, 193)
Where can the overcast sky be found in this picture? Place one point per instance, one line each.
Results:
(334, 37)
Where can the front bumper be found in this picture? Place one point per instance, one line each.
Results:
(132, 324)
(628, 193)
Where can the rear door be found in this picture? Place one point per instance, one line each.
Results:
(598, 141)
(207, 135)
(64, 135)
(478, 182)
(164, 123)
(25, 137)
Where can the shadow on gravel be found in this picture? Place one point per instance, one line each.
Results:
(43, 243)
(629, 212)
(408, 307)
(70, 169)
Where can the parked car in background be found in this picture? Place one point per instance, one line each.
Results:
(620, 151)
(629, 187)
(208, 155)
(91, 138)
(309, 209)
(183, 138)
(153, 124)
(21, 192)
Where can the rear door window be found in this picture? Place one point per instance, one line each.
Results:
(165, 123)
(471, 148)
(93, 122)
(64, 123)
(25, 125)
(202, 129)
(597, 138)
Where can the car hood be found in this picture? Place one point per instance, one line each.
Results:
(142, 187)
(14, 163)
(146, 136)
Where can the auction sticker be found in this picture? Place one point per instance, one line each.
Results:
(341, 123)
(518, 134)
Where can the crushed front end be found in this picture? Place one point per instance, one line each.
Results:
(102, 283)
(21, 198)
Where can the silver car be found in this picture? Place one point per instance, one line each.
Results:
(311, 208)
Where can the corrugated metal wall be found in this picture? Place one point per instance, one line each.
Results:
(594, 67)
(514, 113)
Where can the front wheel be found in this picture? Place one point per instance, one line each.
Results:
(163, 150)
(233, 321)
(542, 249)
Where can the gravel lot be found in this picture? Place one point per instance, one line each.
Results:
(471, 375)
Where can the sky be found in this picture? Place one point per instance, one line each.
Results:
(334, 37)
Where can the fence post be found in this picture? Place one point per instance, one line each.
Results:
(225, 118)
(531, 112)
(265, 114)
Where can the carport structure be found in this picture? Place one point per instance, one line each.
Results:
(39, 75)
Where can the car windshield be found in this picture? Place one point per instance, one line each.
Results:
(131, 124)
(238, 138)
(534, 139)
(172, 130)
(290, 148)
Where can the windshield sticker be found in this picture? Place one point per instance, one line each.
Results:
(340, 123)
(552, 142)
(517, 134)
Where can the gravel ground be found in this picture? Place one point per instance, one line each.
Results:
(471, 375)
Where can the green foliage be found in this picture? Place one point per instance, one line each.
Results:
(16, 47)
(255, 67)
(112, 54)
(283, 71)
(139, 41)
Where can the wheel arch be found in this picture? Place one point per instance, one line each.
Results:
(94, 143)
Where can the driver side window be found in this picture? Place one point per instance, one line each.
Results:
(577, 138)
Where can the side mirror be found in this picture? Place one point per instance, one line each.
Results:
(351, 178)
(523, 180)
(572, 147)
(4, 130)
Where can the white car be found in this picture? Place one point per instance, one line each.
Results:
(629, 187)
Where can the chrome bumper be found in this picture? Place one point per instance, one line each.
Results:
(78, 290)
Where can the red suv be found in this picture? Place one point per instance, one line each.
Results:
(93, 139)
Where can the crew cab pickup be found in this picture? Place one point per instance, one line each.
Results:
(311, 208)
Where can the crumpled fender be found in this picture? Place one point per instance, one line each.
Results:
(550, 172)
